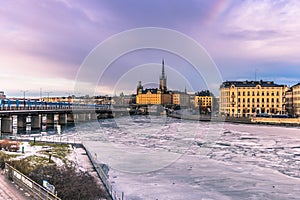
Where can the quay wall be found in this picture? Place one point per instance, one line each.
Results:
(104, 178)
(242, 120)
(276, 121)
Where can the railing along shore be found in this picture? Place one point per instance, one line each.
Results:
(77, 141)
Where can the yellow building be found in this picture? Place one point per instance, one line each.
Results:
(247, 98)
(155, 96)
(293, 100)
(203, 101)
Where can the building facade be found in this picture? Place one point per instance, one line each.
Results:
(181, 98)
(248, 98)
(293, 100)
(203, 101)
(155, 96)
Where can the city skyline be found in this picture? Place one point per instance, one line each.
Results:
(44, 43)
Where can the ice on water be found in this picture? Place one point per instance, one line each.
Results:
(153, 157)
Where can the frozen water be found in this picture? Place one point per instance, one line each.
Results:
(164, 158)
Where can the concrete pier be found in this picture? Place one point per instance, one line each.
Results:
(81, 117)
(21, 121)
(62, 120)
(36, 122)
(70, 118)
(88, 116)
(6, 124)
(50, 119)
(93, 116)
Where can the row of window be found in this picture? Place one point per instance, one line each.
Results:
(272, 100)
(250, 105)
(252, 110)
(253, 100)
(253, 105)
(252, 93)
(258, 93)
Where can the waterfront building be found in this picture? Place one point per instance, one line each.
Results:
(155, 96)
(248, 98)
(124, 99)
(181, 98)
(57, 99)
(293, 100)
(203, 101)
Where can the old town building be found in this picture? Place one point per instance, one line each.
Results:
(181, 98)
(155, 96)
(293, 100)
(203, 101)
(248, 98)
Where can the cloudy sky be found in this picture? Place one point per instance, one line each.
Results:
(44, 42)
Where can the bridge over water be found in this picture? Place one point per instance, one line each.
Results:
(33, 113)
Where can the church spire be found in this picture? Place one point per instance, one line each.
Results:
(163, 79)
(163, 69)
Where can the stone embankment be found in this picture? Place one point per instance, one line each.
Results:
(276, 121)
(242, 120)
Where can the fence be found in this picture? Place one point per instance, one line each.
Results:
(36, 190)
(104, 178)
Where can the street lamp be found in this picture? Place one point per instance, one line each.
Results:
(24, 92)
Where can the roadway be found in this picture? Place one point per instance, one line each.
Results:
(9, 191)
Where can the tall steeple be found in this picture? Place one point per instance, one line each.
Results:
(163, 78)
(163, 69)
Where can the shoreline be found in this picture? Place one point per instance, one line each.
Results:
(289, 122)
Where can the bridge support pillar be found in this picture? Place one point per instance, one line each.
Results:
(50, 119)
(70, 118)
(93, 116)
(6, 124)
(62, 119)
(88, 116)
(35, 122)
(21, 121)
(81, 117)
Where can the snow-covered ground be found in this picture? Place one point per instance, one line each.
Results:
(163, 158)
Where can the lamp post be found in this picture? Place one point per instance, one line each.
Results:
(24, 92)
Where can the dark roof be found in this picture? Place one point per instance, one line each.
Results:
(152, 90)
(296, 85)
(178, 92)
(204, 93)
(246, 83)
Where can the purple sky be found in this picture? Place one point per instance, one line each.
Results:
(43, 43)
